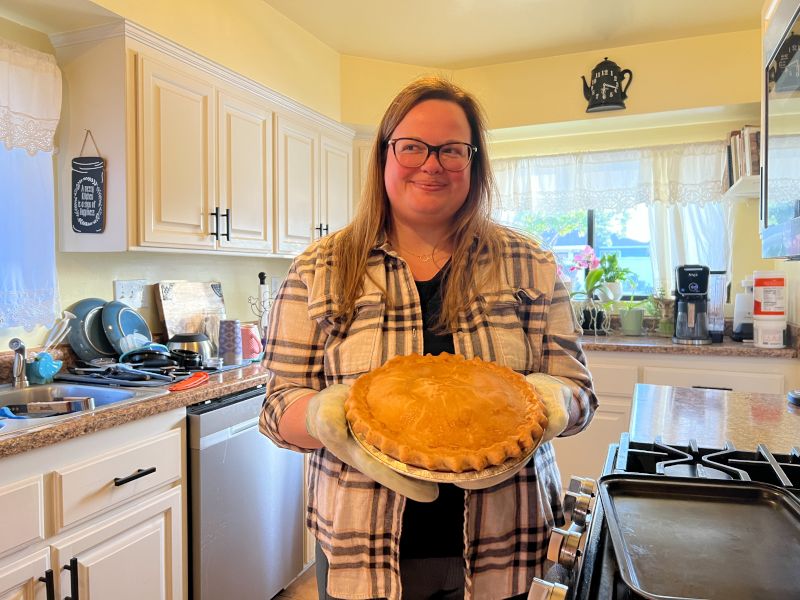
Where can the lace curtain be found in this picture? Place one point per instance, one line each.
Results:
(681, 185)
(30, 104)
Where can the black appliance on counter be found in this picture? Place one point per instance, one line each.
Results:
(748, 483)
(691, 305)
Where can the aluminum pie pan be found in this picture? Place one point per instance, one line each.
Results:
(440, 476)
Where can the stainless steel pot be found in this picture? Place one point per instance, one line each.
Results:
(196, 342)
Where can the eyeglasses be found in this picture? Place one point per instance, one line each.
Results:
(412, 153)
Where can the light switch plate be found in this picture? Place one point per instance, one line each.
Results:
(131, 292)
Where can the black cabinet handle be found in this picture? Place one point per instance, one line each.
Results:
(138, 475)
(49, 584)
(227, 233)
(215, 213)
(322, 228)
(326, 230)
(72, 567)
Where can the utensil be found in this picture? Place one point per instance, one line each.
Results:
(195, 380)
(728, 540)
(86, 335)
(194, 342)
(125, 328)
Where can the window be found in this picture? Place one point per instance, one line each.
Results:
(655, 208)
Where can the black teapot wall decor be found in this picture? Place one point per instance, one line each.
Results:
(607, 91)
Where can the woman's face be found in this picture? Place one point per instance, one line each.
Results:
(428, 195)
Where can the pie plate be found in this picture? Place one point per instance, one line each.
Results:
(440, 476)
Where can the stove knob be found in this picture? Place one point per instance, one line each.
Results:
(577, 507)
(544, 590)
(563, 547)
(582, 485)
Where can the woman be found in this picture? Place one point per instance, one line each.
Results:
(422, 268)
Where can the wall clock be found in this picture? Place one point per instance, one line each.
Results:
(609, 87)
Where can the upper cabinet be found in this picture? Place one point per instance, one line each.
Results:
(198, 158)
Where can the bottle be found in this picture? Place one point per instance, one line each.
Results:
(743, 313)
(769, 309)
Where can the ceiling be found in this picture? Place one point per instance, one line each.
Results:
(457, 34)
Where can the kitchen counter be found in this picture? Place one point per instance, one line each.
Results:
(663, 345)
(712, 417)
(106, 417)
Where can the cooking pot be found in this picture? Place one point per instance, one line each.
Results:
(195, 342)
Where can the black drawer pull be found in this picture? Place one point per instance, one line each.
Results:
(49, 584)
(139, 473)
(72, 567)
(215, 213)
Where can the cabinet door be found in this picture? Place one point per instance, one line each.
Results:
(245, 171)
(336, 178)
(19, 576)
(176, 175)
(297, 184)
(132, 555)
(585, 453)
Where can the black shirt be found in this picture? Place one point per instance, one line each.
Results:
(434, 528)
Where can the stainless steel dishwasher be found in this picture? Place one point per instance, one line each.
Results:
(247, 519)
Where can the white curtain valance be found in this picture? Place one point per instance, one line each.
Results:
(615, 179)
(30, 97)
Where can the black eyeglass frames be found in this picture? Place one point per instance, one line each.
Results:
(412, 153)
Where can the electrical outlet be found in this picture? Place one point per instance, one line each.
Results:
(131, 292)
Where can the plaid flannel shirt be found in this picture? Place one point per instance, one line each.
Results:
(526, 324)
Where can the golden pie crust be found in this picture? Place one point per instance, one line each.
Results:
(446, 413)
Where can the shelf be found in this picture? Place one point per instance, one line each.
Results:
(745, 187)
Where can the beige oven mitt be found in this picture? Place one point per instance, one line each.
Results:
(325, 420)
(556, 398)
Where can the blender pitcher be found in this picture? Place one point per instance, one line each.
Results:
(717, 282)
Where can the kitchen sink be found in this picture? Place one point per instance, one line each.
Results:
(44, 404)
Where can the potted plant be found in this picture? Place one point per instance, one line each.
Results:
(614, 275)
(631, 312)
(589, 310)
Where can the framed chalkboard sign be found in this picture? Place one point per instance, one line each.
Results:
(88, 192)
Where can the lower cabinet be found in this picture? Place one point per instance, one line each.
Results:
(96, 517)
(134, 554)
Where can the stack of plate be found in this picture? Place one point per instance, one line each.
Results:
(103, 329)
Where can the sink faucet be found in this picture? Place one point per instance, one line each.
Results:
(18, 369)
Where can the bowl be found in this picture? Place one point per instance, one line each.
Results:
(195, 342)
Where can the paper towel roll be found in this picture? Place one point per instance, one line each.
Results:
(230, 341)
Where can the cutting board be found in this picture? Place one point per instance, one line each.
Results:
(186, 306)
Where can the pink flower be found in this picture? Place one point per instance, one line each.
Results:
(585, 259)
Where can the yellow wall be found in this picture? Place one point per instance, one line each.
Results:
(685, 73)
(25, 36)
(250, 37)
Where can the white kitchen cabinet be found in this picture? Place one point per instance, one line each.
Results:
(134, 554)
(314, 180)
(61, 502)
(19, 577)
(196, 159)
(176, 168)
(584, 454)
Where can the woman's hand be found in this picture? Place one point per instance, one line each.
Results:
(325, 420)
(557, 400)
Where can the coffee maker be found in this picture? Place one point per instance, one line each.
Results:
(691, 305)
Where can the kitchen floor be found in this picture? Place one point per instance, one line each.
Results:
(303, 588)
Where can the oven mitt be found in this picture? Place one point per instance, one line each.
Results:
(557, 398)
(325, 421)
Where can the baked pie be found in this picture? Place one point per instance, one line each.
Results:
(446, 413)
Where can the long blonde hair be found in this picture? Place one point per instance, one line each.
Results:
(473, 232)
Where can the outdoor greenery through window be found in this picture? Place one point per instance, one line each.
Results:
(625, 233)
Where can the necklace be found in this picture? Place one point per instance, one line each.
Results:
(426, 258)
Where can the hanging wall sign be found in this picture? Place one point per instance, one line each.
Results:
(88, 192)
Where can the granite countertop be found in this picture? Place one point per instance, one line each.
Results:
(712, 417)
(664, 345)
(106, 417)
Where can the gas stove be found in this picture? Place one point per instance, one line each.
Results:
(583, 563)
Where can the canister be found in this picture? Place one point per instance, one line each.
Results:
(230, 341)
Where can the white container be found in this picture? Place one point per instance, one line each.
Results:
(768, 332)
(769, 294)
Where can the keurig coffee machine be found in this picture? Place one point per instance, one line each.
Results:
(691, 305)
